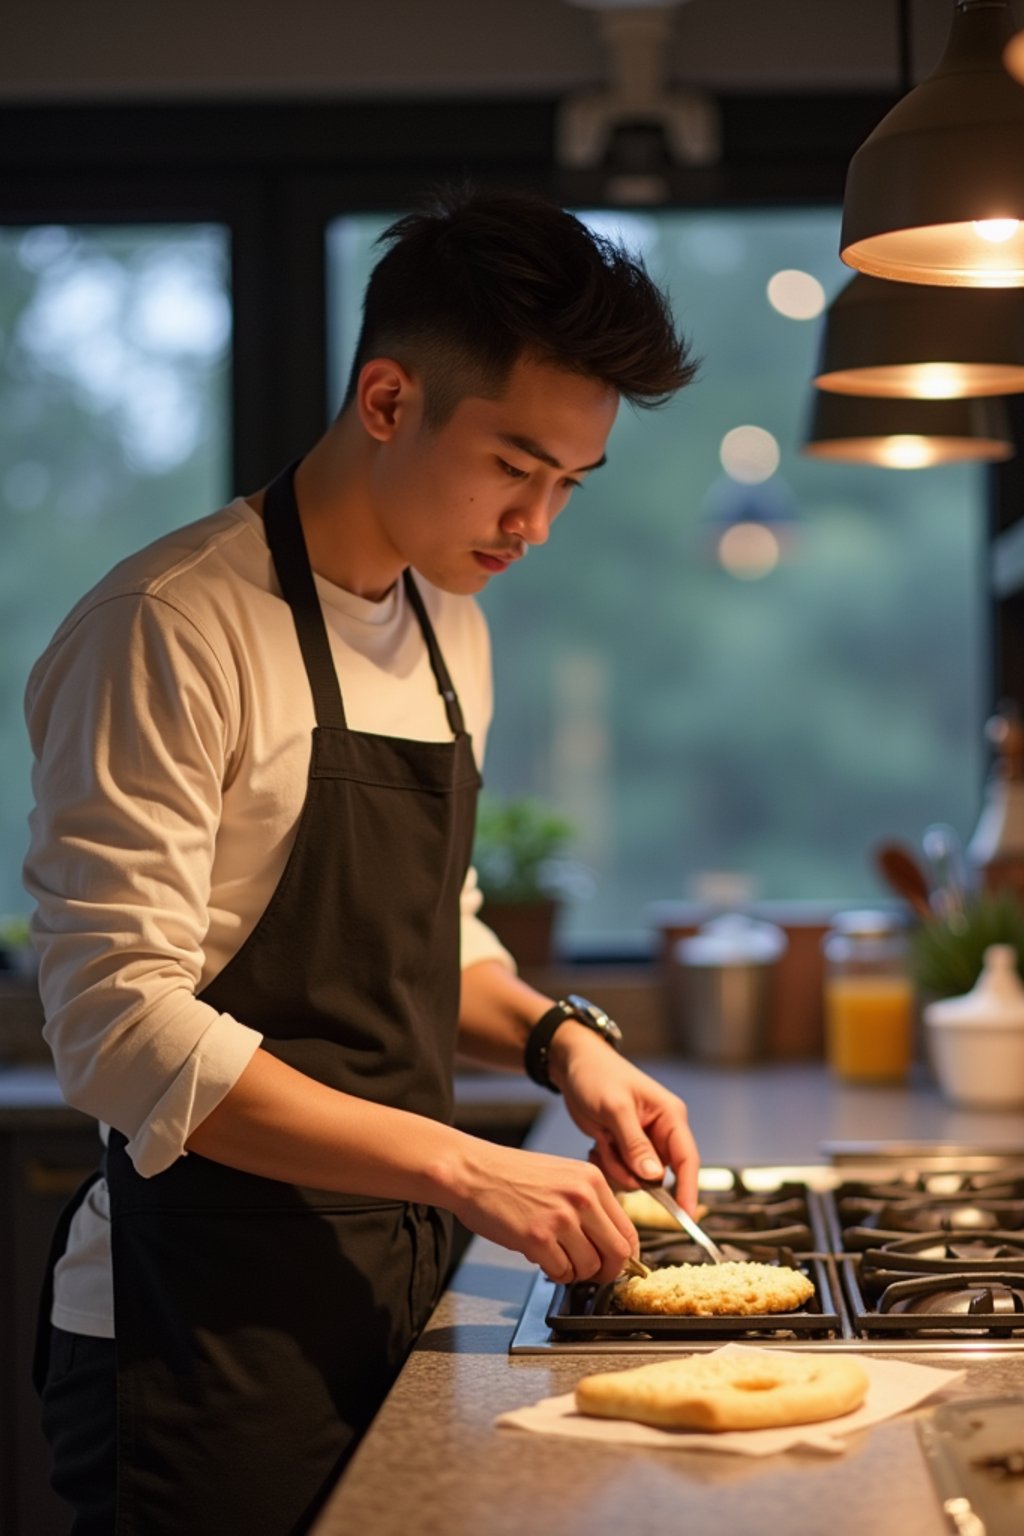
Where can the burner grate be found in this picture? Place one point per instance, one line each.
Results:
(944, 1253)
(987, 1303)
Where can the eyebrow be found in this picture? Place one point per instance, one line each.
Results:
(527, 445)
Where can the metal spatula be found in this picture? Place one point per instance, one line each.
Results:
(687, 1223)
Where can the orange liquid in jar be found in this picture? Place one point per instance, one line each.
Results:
(868, 1025)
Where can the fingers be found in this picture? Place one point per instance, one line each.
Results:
(604, 1155)
(630, 1145)
(561, 1214)
(618, 1157)
(572, 1260)
(667, 1133)
(684, 1158)
(575, 1257)
(684, 1161)
(606, 1238)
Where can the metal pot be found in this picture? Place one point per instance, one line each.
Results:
(721, 989)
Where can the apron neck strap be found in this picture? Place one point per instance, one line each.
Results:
(291, 562)
(452, 707)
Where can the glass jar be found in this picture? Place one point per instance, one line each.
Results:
(869, 998)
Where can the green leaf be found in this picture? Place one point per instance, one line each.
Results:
(518, 841)
(947, 953)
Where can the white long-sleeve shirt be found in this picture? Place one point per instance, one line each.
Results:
(170, 719)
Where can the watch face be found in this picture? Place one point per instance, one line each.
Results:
(595, 1017)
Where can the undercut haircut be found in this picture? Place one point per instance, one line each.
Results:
(479, 279)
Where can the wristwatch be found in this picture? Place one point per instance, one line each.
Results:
(538, 1042)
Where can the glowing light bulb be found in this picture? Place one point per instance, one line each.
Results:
(906, 451)
(796, 294)
(936, 381)
(749, 454)
(748, 551)
(996, 231)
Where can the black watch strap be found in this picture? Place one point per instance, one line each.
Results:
(536, 1057)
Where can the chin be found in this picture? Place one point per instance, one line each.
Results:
(458, 583)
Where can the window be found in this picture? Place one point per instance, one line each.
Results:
(114, 403)
(693, 720)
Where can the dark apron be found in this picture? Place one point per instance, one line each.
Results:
(259, 1325)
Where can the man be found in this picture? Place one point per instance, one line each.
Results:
(257, 754)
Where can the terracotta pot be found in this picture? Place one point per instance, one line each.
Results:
(525, 928)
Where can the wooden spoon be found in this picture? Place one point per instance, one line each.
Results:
(903, 874)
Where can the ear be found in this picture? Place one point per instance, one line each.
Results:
(385, 394)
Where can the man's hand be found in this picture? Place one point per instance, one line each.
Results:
(638, 1127)
(557, 1211)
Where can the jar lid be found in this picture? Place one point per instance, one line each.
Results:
(732, 940)
(868, 924)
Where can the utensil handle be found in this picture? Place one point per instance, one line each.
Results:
(687, 1223)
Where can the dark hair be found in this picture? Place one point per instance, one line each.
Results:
(478, 279)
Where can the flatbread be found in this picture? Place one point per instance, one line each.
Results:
(734, 1289)
(644, 1211)
(717, 1392)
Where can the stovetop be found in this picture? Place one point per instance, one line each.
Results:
(912, 1251)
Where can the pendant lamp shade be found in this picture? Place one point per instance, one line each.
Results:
(907, 341)
(907, 434)
(936, 193)
(1013, 56)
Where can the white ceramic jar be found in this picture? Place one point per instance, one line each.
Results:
(976, 1041)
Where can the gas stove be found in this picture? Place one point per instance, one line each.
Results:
(911, 1250)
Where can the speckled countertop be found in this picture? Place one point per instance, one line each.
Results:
(435, 1462)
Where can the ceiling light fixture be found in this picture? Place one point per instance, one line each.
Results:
(935, 194)
(908, 341)
(640, 127)
(907, 434)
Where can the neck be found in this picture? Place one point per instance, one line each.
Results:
(344, 543)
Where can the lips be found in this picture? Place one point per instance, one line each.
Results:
(493, 563)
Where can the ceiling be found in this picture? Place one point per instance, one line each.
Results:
(67, 50)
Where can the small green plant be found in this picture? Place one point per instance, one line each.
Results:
(518, 844)
(14, 933)
(947, 953)
(16, 952)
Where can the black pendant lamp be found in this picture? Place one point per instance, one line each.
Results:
(1013, 56)
(907, 434)
(936, 193)
(908, 341)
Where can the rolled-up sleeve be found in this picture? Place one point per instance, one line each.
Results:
(478, 941)
(133, 720)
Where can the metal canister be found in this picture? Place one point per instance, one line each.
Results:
(721, 985)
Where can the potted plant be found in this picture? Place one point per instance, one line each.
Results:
(948, 952)
(16, 952)
(519, 844)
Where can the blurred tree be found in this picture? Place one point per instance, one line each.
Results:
(113, 428)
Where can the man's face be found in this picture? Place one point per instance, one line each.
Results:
(461, 503)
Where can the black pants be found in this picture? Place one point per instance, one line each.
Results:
(80, 1422)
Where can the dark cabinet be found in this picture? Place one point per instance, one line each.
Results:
(39, 1168)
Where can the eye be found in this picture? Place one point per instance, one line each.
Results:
(511, 470)
(572, 485)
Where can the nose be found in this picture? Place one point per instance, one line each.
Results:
(531, 517)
